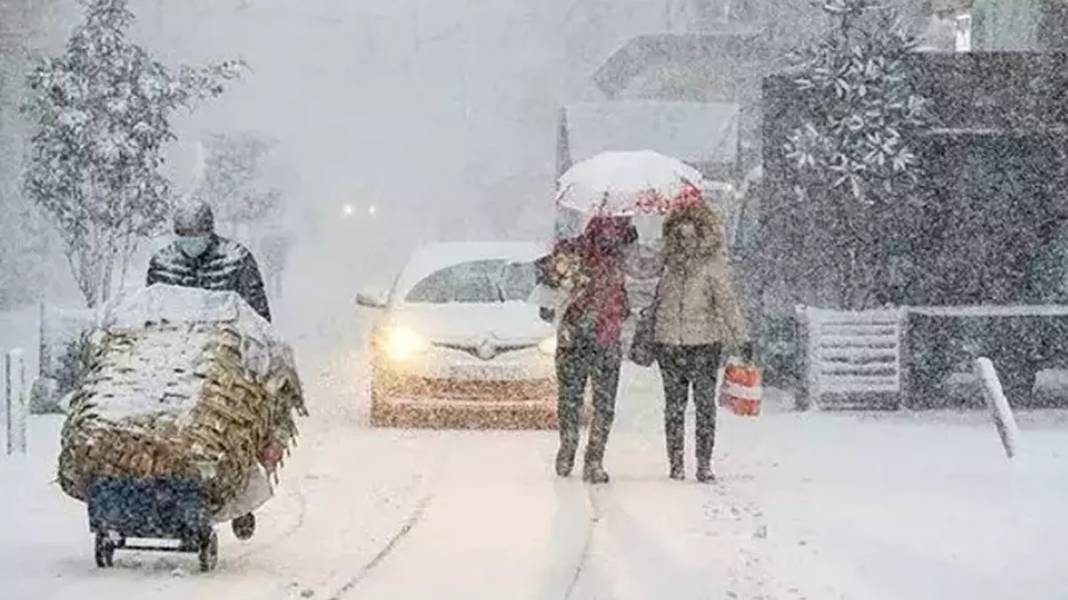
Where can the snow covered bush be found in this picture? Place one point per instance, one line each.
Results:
(101, 114)
(851, 156)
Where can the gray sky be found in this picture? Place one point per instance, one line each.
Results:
(442, 113)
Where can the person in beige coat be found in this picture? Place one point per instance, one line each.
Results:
(698, 316)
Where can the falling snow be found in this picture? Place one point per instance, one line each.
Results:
(456, 209)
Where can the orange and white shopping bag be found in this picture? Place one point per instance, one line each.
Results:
(741, 388)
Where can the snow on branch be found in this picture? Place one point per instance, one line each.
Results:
(102, 116)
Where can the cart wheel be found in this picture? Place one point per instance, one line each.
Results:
(209, 551)
(244, 526)
(104, 551)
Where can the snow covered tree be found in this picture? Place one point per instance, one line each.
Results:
(231, 183)
(102, 115)
(851, 156)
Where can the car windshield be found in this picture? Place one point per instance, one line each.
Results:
(475, 282)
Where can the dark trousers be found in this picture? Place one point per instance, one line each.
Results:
(575, 366)
(683, 368)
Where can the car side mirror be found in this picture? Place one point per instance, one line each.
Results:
(372, 299)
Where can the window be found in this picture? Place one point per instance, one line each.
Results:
(476, 282)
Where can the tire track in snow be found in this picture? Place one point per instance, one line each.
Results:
(409, 524)
(406, 528)
(302, 505)
(595, 516)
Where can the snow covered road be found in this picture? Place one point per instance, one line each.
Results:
(816, 506)
(809, 506)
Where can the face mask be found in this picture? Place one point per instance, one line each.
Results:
(193, 246)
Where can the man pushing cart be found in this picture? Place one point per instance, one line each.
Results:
(188, 404)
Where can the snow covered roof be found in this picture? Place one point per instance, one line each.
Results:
(950, 5)
(431, 258)
(699, 133)
(736, 48)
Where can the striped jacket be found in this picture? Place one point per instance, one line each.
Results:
(224, 266)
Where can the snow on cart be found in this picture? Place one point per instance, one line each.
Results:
(185, 409)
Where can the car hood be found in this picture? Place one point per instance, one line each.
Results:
(506, 323)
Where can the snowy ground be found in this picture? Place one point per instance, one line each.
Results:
(818, 506)
(813, 506)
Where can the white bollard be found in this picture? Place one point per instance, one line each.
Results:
(999, 405)
(15, 401)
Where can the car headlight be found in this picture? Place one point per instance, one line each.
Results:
(402, 343)
(548, 346)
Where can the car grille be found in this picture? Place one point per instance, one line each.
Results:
(489, 391)
(474, 350)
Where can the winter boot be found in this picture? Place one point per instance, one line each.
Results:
(595, 473)
(565, 459)
(674, 430)
(705, 474)
(677, 464)
(595, 447)
(678, 471)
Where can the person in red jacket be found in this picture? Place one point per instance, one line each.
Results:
(590, 328)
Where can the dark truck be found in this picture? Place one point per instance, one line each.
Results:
(984, 258)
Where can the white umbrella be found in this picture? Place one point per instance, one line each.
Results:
(628, 184)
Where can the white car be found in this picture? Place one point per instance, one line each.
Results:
(457, 344)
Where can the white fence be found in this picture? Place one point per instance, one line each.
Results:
(15, 402)
(850, 353)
